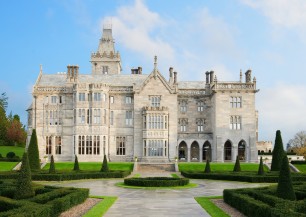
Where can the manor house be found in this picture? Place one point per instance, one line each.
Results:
(142, 115)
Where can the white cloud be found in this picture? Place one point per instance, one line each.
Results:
(281, 107)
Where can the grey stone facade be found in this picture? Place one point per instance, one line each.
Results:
(143, 116)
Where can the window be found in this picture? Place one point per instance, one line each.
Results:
(155, 101)
(97, 116)
(183, 125)
(120, 145)
(103, 97)
(60, 99)
(156, 148)
(96, 145)
(111, 99)
(183, 106)
(89, 116)
(128, 100)
(81, 144)
(235, 123)
(58, 145)
(200, 123)
(48, 145)
(53, 99)
(235, 102)
(105, 70)
(129, 118)
(81, 97)
(89, 97)
(82, 116)
(200, 106)
(111, 118)
(156, 121)
(88, 145)
(97, 97)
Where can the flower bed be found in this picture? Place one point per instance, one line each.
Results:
(156, 181)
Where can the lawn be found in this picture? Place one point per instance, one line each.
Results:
(301, 167)
(17, 150)
(7, 166)
(210, 207)
(101, 208)
(219, 166)
(92, 166)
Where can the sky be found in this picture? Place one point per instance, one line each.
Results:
(266, 36)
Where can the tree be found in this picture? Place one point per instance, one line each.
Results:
(24, 183)
(237, 165)
(300, 151)
(15, 132)
(3, 119)
(52, 165)
(299, 140)
(3, 101)
(261, 167)
(284, 187)
(207, 167)
(76, 164)
(104, 165)
(278, 152)
(33, 152)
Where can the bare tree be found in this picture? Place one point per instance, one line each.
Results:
(298, 141)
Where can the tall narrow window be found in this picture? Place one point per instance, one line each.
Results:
(60, 99)
(129, 118)
(88, 145)
(81, 145)
(53, 99)
(200, 123)
(235, 123)
(97, 116)
(97, 97)
(128, 100)
(48, 145)
(183, 106)
(120, 145)
(89, 116)
(98, 145)
(105, 70)
(112, 99)
(183, 125)
(81, 97)
(58, 145)
(200, 106)
(82, 116)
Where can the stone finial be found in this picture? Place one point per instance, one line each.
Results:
(248, 76)
(40, 69)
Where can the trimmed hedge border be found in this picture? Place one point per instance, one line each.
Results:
(156, 181)
(297, 162)
(68, 176)
(271, 177)
(260, 202)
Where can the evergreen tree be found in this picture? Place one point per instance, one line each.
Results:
(261, 167)
(24, 187)
(207, 167)
(33, 152)
(237, 165)
(52, 165)
(104, 165)
(284, 187)
(278, 152)
(76, 164)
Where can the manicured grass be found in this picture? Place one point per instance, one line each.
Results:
(7, 166)
(219, 166)
(91, 166)
(190, 185)
(301, 167)
(101, 208)
(17, 150)
(210, 207)
(174, 175)
(137, 175)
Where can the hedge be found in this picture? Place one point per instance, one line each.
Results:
(14, 159)
(68, 176)
(241, 176)
(260, 202)
(156, 181)
(297, 162)
(51, 203)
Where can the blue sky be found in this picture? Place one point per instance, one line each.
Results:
(267, 36)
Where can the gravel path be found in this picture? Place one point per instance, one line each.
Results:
(81, 209)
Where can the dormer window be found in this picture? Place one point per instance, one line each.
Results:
(155, 101)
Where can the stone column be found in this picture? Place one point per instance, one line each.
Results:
(188, 154)
(53, 146)
(201, 154)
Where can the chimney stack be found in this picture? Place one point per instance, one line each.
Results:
(207, 77)
(175, 78)
(212, 75)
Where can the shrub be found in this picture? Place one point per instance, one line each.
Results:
(24, 187)
(298, 162)
(76, 166)
(285, 188)
(156, 181)
(237, 165)
(207, 167)
(10, 154)
(261, 168)
(278, 152)
(52, 165)
(104, 165)
(33, 152)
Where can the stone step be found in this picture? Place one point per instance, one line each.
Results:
(155, 167)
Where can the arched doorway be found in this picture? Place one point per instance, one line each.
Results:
(228, 150)
(182, 151)
(241, 150)
(194, 151)
(206, 151)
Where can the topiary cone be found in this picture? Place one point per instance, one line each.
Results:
(261, 168)
(24, 187)
(284, 187)
(76, 164)
(278, 152)
(104, 165)
(237, 165)
(33, 153)
(52, 165)
(207, 167)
